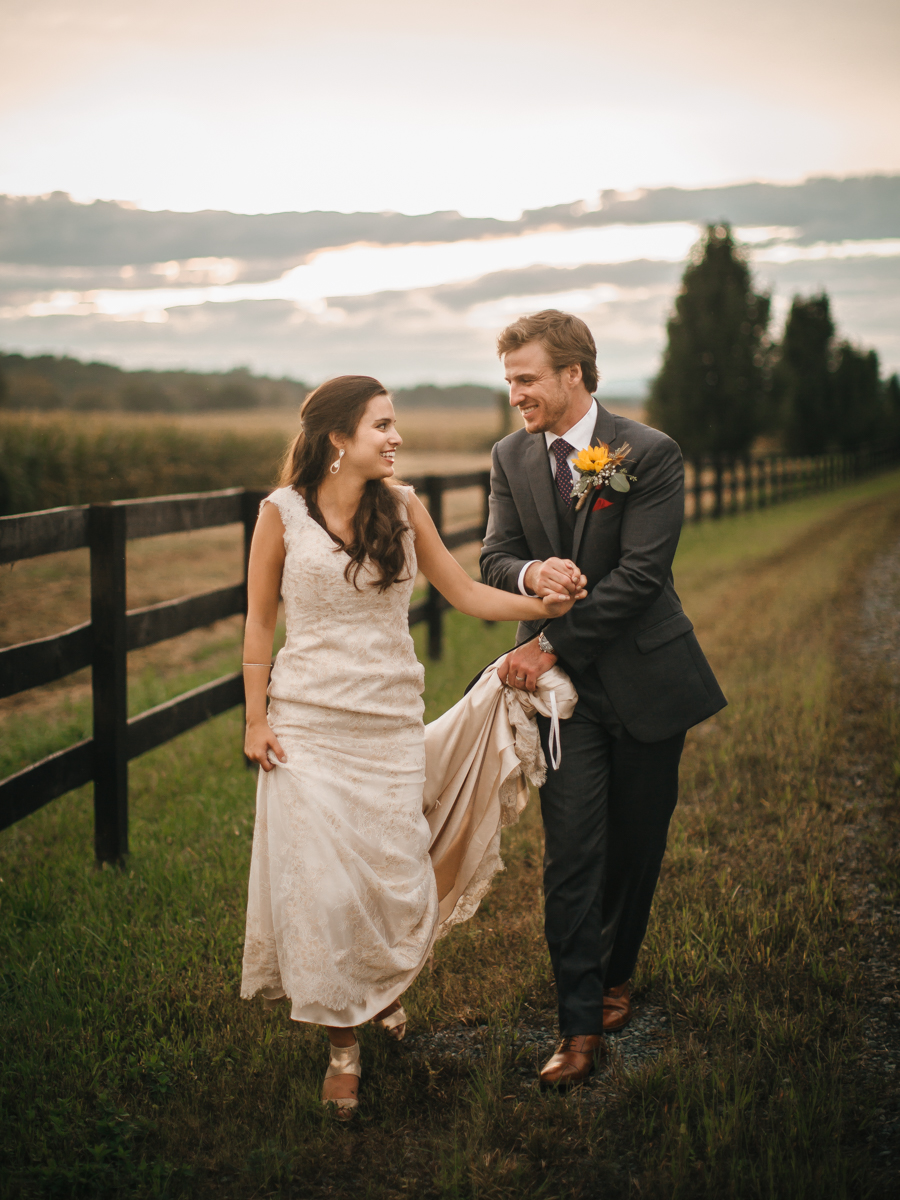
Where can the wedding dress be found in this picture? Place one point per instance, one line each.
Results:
(342, 907)
(343, 901)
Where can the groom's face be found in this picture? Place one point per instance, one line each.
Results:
(542, 394)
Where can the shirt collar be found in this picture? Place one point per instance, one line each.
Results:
(579, 436)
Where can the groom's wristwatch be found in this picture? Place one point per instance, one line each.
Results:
(544, 645)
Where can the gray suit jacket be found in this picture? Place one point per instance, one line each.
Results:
(631, 629)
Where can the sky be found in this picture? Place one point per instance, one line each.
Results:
(489, 110)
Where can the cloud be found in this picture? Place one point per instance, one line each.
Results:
(429, 334)
(413, 334)
(53, 231)
(531, 281)
(830, 210)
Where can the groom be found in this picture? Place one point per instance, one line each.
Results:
(629, 648)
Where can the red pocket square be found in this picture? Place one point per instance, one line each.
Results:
(602, 502)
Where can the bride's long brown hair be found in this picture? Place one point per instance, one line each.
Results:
(378, 527)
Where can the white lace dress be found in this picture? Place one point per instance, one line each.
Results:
(342, 909)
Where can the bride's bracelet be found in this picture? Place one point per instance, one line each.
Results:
(256, 664)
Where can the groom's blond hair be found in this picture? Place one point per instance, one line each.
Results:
(566, 339)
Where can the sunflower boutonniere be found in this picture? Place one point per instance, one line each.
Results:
(596, 466)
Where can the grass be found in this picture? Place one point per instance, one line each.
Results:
(131, 1068)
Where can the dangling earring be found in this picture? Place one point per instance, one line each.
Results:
(336, 465)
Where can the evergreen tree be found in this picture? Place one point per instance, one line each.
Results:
(804, 379)
(859, 398)
(711, 392)
(892, 413)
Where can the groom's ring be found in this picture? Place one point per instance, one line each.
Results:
(520, 677)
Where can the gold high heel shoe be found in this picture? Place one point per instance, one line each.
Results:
(344, 1060)
(394, 1024)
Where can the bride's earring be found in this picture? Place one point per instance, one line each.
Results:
(336, 465)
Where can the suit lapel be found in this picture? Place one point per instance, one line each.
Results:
(542, 485)
(604, 431)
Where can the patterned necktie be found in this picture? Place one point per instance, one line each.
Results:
(560, 449)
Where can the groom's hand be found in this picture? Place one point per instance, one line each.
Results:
(552, 576)
(521, 668)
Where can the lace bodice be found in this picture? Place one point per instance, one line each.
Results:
(348, 647)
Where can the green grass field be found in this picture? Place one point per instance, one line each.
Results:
(131, 1067)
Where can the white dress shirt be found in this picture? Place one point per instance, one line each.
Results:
(579, 438)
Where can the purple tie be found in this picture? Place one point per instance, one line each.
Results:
(560, 449)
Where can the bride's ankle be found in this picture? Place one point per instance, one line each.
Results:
(341, 1038)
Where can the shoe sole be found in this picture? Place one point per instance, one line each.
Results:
(565, 1085)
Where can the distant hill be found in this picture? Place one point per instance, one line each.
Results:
(48, 382)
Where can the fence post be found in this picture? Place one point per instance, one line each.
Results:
(485, 501)
(717, 488)
(434, 601)
(698, 489)
(250, 502)
(106, 536)
(733, 502)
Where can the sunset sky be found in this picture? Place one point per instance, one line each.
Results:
(485, 109)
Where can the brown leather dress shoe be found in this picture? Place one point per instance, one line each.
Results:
(616, 1007)
(573, 1062)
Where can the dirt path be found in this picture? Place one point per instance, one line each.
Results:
(871, 863)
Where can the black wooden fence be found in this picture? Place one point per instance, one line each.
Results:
(104, 641)
(715, 487)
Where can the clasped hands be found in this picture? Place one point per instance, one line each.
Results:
(552, 577)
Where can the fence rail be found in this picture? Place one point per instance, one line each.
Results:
(715, 487)
(103, 642)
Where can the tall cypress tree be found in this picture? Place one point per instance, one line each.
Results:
(804, 378)
(892, 413)
(859, 397)
(710, 394)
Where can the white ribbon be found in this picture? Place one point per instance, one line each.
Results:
(343, 1060)
(553, 742)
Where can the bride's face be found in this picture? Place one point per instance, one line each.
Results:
(371, 450)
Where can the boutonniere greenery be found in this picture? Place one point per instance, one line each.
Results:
(596, 467)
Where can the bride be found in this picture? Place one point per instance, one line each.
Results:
(343, 908)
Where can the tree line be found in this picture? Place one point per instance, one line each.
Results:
(48, 383)
(725, 382)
